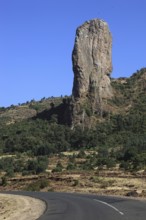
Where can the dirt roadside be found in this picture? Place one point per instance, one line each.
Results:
(15, 207)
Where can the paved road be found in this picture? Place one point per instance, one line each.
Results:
(65, 206)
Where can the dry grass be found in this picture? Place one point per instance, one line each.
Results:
(13, 207)
(106, 181)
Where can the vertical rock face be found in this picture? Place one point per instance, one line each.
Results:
(92, 65)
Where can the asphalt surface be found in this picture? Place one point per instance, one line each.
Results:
(67, 206)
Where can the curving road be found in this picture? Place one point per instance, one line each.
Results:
(66, 206)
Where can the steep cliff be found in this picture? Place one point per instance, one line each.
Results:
(92, 65)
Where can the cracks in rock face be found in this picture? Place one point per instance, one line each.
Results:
(94, 59)
(91, 62)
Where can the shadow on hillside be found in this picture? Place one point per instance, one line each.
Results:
(60, 114)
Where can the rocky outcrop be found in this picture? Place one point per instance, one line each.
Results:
(92, 65)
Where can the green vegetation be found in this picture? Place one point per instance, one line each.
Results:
(113, 140)
(11, 165)
(37, 185)
(58, 167)
(118, 139)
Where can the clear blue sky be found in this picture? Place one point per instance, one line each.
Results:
(37, 38)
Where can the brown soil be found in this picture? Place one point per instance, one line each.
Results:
(14, 207)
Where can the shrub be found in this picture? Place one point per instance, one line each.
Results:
(37, 165)
(3, 181)
(71, 166)
(58, 167)
(37, 185)
(76, 183)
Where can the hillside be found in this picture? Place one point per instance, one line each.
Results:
(116, 142)
(27, 110)
(104, 117)
(130, 92)
(35, 122)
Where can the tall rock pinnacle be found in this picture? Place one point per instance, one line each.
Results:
(92, 65)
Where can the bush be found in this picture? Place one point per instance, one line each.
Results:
(37, 165)
(81, 154)
(76, 183)
(3, 181)
(58, 167)
(37, 185)
(71, 166)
